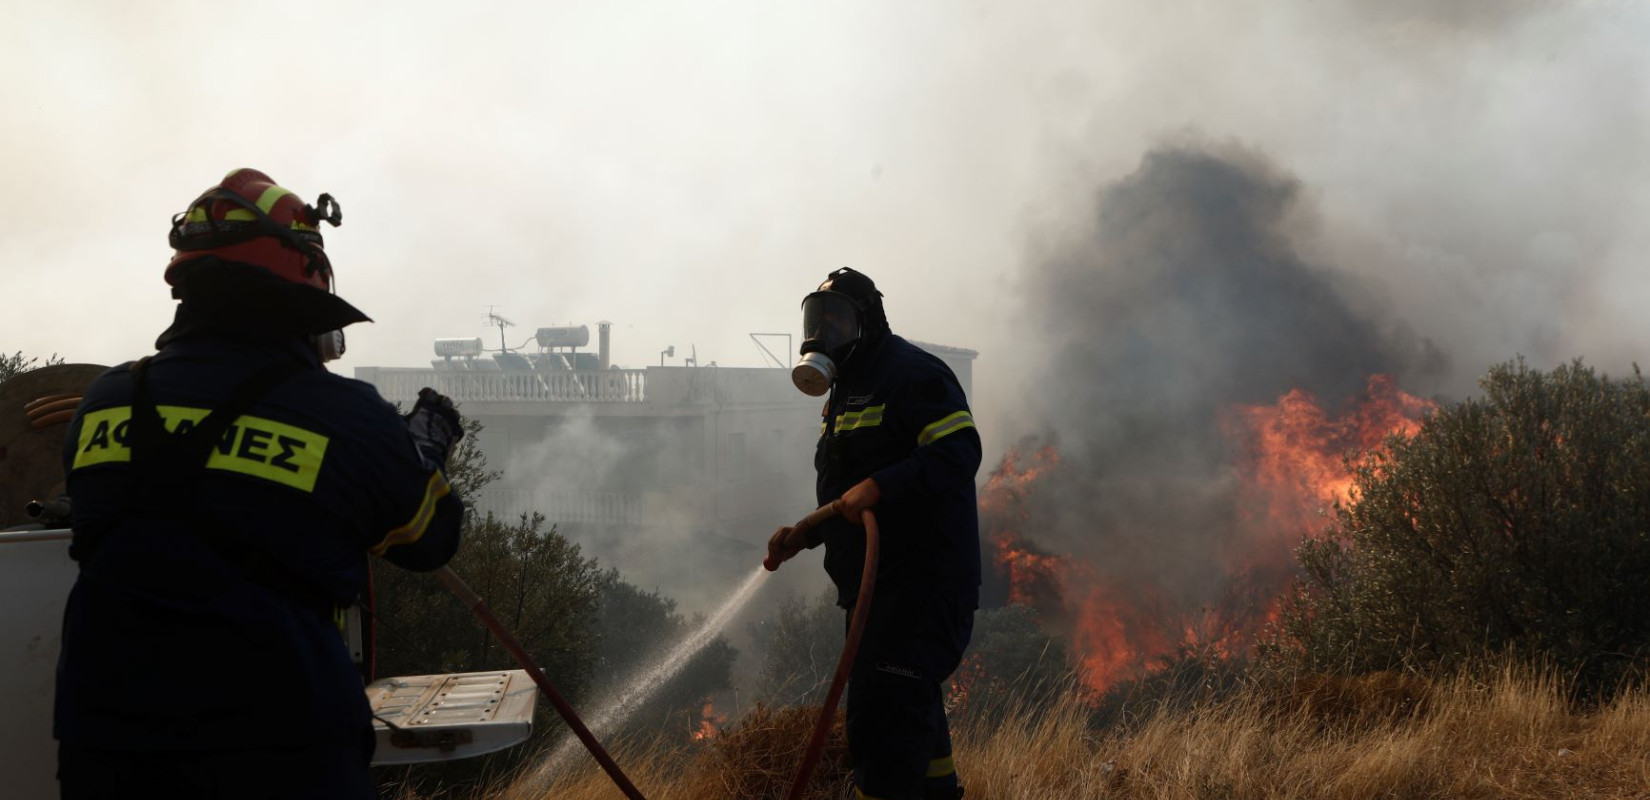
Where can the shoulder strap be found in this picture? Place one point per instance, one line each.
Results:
(162, 459)
(167, 467)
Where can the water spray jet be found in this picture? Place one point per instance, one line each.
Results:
(642, 686)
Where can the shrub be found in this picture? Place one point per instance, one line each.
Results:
(1516, 522)
(16, 364)
(635, 633)
(1012, 663)
(800, 645)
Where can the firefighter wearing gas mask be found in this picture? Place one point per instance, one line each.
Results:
(897, 437)
(227, 492)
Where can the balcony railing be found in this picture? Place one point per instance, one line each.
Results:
(582, 386)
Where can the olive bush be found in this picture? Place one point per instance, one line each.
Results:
(1516, 522)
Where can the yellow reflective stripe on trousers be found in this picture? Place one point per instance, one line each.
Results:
(261, 448)
(866, 418)
(411, 532)
(941, 767)
(945, 426)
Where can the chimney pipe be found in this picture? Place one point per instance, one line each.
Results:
(604, 345)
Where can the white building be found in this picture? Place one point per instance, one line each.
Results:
(673, 474)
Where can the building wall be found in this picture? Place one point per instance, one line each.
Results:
(676, 475)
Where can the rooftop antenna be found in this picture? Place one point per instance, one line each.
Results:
(494, 319)
(693, 360)
(767, 355)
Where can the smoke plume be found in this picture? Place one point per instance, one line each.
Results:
(1183, 298)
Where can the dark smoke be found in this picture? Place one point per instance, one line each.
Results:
(1184, 298)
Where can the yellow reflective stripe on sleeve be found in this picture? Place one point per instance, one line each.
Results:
(261, 448)
(865, 418)
(411, 532)
(941, 767)
(945, 426)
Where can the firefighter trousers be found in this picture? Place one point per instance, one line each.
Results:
(898, 737)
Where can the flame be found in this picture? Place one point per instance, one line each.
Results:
(1030, 572)
(1297, 457)
(709, 723)
(1122, 626)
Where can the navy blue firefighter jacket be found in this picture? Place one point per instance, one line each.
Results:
(203, 617)
(897, 414)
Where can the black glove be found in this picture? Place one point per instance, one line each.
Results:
(435, 426)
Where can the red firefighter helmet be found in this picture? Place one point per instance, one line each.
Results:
(247, 218)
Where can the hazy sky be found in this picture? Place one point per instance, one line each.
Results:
(1478, 171)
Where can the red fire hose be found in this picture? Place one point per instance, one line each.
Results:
(474, 603)
(844, 664)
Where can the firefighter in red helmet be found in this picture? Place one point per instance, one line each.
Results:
(227, 492)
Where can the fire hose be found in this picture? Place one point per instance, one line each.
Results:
(827, 714)
(474, 602)
(44, 412)
(850, 648)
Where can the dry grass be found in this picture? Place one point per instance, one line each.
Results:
(1382, 736)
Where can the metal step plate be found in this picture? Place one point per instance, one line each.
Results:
(444, 717)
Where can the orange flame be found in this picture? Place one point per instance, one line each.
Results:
(1297, 464)
(709, 724)
(1291, 469)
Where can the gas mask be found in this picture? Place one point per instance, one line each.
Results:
(329, 346)
(830, 331)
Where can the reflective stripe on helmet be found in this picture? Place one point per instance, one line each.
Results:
(266, 201)
(198, 214)
(251, 219)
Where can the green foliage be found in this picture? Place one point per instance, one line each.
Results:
(636, 631)
(800, 644)
(585, 628)
(1011, 663)
(1518, 522)
(16, 364)
(467, 470)
(534, 580)
(1011, 659)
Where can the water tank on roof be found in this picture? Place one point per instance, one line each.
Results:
(567, 336)
(458, 348)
